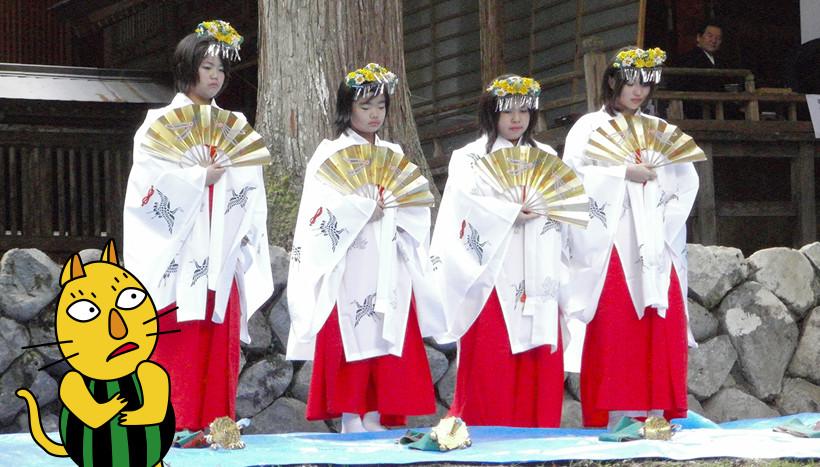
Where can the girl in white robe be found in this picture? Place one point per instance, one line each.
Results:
(501, 269)
(628, 267)
(357, 289)
(197, 239)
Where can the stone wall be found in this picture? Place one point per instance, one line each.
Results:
(756, 320)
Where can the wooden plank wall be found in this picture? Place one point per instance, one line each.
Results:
(32, 34)
(62, 193)
(543, 38)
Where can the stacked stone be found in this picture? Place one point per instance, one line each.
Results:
(756, 321)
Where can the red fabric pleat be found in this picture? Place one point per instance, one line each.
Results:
(394, 386)
(630, 363)
(203, 363)
(495, 387)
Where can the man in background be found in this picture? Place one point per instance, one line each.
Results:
(706, 55)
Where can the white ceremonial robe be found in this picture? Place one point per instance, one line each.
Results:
(367, 269)
(177, 252)
(645, 222)
(477, 247)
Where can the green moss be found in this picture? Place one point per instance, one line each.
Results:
(284, 193)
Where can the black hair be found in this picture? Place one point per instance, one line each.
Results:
(610, 93)
(345, 97)
(488, 118)
(707, 23)
(188, 55)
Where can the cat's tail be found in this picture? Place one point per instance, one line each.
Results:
(36, 427)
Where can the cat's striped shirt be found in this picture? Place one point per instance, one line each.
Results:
(113, 444)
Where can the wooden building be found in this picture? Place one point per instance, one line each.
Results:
(757, 190)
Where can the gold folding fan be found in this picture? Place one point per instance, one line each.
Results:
(538, 180)
(376, 172)
(635, 139)
(202, 134)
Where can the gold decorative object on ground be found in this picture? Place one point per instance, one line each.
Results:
(635, 139)
(657, 428)
(540, 181)
(377, 173)
(203, 134)
(224, 433)
(451, 433)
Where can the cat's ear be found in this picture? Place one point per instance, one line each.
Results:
(110, 253)
(72, 270)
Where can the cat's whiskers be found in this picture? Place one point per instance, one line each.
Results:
(46, 344)
(160, 315)
(163, 332)
(58, 361)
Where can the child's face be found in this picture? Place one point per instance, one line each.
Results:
(210, 78)
(513, 123)
(368, 115)
(632, 96)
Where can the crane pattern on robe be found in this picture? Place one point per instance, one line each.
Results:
(665, 198)
(162, 209)
(550, 224)
(368, 308)
(520, 292)
(360, 243)
(329, 228)
(549, 288)
(171, 269)
(472, 241)
(596, 211)
(239, 199)
(200, 270)
(435, 262)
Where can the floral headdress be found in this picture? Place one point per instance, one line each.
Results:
(515, 91)
(228, 41)
(371, 80)
(635, 63)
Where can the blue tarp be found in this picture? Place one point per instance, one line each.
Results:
(700, 438)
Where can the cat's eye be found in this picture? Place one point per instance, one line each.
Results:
(83, 310)
(130, 298)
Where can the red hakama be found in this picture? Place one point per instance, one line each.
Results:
(203, 363)
(393, 386)
(496, 387)
(630, 363)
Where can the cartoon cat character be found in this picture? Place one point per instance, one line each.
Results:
(116, 405)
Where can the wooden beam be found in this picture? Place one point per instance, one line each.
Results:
(639, 40)
(802, 174)
(491, 20)
(707, 215)
(594, 67)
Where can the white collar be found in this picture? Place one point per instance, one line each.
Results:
(181, 99)
(709, 56)
(359, 139)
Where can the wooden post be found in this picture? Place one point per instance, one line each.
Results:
(802, 175)
(675, 110)
(641, 23)
(491, 21)
(707, 213)
(594, 67)
(753, 107)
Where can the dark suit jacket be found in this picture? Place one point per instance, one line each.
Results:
(696, 58)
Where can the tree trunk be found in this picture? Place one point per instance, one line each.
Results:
(305, 49)
(491, 20)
